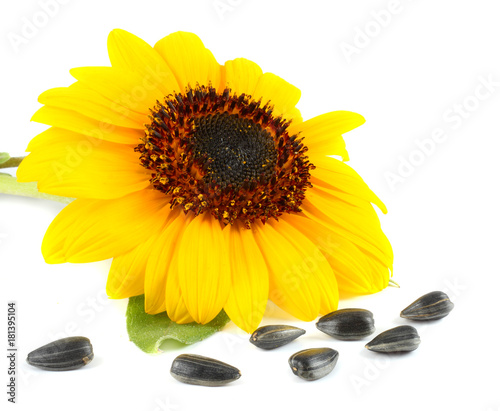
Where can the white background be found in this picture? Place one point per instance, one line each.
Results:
(412, 75)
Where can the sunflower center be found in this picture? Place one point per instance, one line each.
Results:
(238, 149)
(226, 154)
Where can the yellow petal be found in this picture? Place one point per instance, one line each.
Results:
(250, 281)
(355, 217)
(352, 267)
(129, 52)
(300, 279)
(126, 275)
(125, 88)
(334, 174)
(52, 135)
(203, 266)
(174, 302)
(160, 258)
(281, 94)
(341, 195)
(94, 230)
(73, 121)
(189, 60)
(77, 166)
(318, 265)
(91, 104)
(242, 76)
(357, 225)
(294, 115)
(323, 134)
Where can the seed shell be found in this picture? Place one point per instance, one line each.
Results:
(398, 339)
(431, 306)
(199, 370)
(313, 363)
(347, 324)
(274, 336)
(62, 355)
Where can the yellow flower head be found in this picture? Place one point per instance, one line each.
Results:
(205, 186)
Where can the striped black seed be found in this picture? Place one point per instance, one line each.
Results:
(62, 355)
(199, 370)
(347, 324)
(313, 363)
(398, 339)
(274, 336)
(431, 306)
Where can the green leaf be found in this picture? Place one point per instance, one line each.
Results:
(148, 332)
(4, 157)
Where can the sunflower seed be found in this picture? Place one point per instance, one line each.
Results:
(313, 363)
(431, 306)
(347, 324)
(402, 338)
(62, 355)
(199, 370)
(274, 336)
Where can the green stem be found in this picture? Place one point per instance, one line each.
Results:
(12, 162)
(393, 283)
(9, 185)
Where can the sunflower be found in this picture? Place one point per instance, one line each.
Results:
(205, 186)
